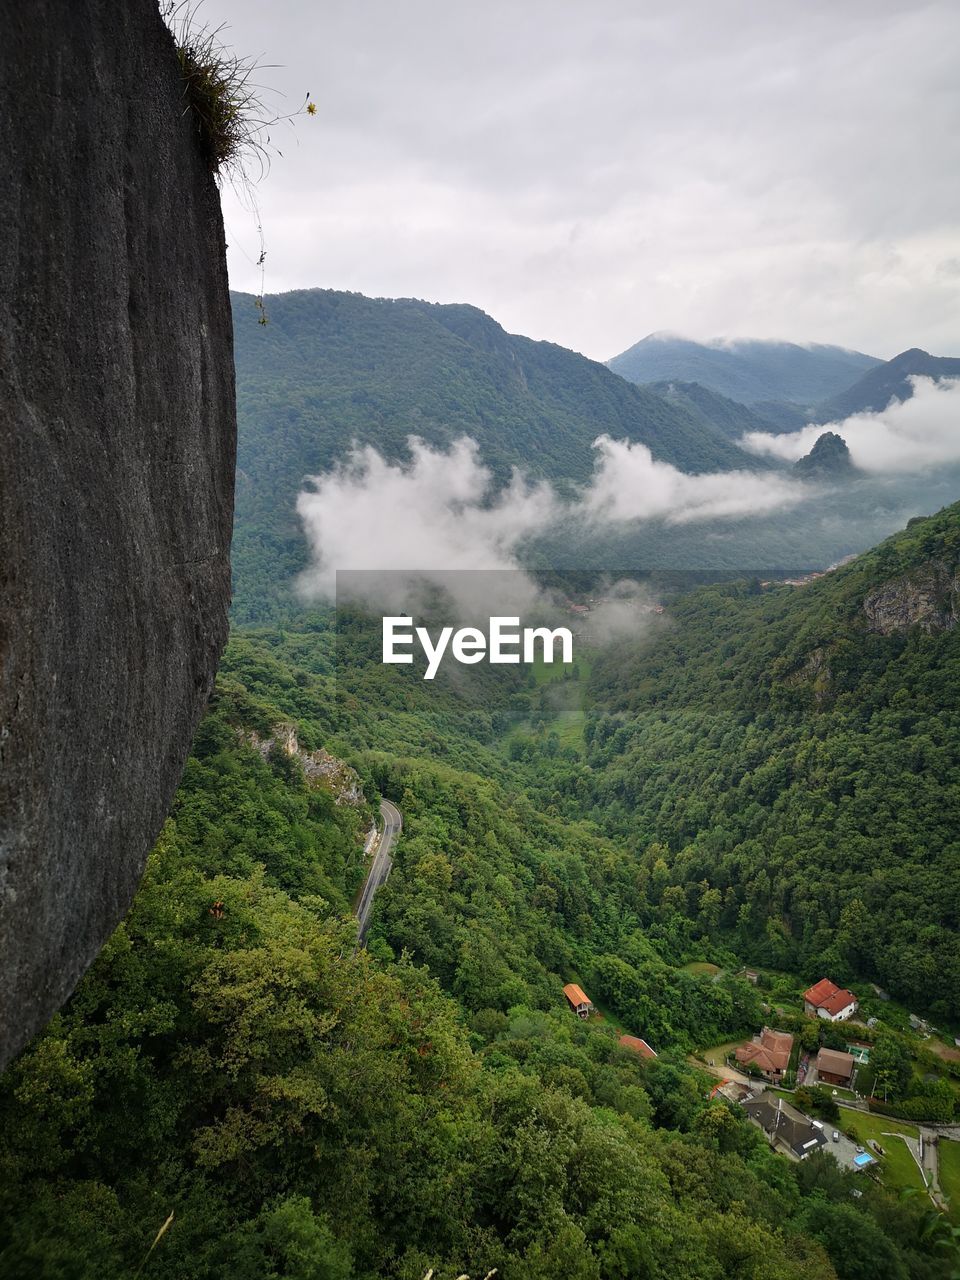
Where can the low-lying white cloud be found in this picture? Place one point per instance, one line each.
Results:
(440, 511)
(436, 512)
(909, 436)
(630, 484)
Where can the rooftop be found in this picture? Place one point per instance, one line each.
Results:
(770, 1052)
(835, 1061)
(638, 1045)
(827, 995)
(575, 994)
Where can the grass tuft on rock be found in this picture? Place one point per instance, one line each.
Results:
(232, 121)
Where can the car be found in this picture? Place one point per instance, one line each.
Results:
(859, 1151)
(836, 1135)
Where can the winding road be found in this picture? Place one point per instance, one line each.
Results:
(380, 866)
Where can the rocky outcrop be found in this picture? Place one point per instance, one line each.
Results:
(829, 459)
(928, 597)
(117, 435)
(319, 767)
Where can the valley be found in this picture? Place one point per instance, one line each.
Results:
(706, 797)
(474, 806)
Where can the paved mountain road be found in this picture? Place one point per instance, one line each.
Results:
(380, 866)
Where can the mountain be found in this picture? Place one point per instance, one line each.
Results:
(885, 382)
(829, 459)
(796, 749)
(731, 417)
(330, 368)
(780, 774)
(745, 369)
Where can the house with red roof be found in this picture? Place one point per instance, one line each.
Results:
(769, 1052)
(828, 1001)
(578, 1000)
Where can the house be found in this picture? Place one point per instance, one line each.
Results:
(580, 1002)
(770, 1052)
(638, 1046)
(828, 1001)
(788, 1129)
(835, 1067)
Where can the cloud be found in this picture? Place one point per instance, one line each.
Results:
(910, 436)
(591, 173)
(436, 512)
(440, 513)
(629, 484)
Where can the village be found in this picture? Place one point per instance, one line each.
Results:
(803, 1094)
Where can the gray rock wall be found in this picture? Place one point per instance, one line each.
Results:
(117, 450)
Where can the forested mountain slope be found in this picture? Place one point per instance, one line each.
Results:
(230, 1066)
(305, 1110)
(333, 368)
(748, 370)
(794, 756)
(886, 382)
(729, 416)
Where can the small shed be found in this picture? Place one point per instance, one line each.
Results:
(578, 999)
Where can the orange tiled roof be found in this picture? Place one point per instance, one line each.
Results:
(821, 992)
(838, 1001)
(576, 995)
(770, 1053)
(638, 1045)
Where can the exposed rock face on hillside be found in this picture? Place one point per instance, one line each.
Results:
(117, 436)
(319, 767)
(928, 598)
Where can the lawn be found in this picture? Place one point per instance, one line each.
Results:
(702, 967)
(898, 1167)
(949, 1155)
(717, 1053)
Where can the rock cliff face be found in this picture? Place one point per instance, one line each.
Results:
(117, 438)
(928, 598)
(319, 767)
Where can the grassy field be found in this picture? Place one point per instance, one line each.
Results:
(717, 1053)
(898, 1167)
(949, 1154)
(569, 727)
(702, 967)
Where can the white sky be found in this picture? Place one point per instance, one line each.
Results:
(589, 173)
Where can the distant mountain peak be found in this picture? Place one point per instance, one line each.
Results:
(749, 370)
(876, 389)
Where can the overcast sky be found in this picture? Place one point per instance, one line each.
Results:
(589, 173)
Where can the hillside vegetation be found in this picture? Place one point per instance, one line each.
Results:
(304, 1111)
(787, 764)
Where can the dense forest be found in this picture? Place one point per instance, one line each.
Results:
(763, 778)
(784, 763)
